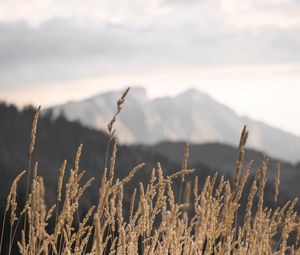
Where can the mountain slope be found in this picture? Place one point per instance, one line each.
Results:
(190, 116)
(222, 158)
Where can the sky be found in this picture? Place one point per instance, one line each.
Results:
(245, 54)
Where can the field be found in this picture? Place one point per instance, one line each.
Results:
(206, 219)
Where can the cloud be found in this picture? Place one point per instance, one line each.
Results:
(99, 38)
(146, 12)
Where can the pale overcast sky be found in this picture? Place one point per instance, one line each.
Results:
(246, 54)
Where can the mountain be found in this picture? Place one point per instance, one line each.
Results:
(190, 116)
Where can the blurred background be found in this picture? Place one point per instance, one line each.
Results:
(227, 64)
(244, 54)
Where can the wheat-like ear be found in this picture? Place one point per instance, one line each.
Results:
(119, 107)
(132, 201)
(13, 190)
(60, 179)
(34, 129)
(239, 163)
(262, 184)
(11, 204)
(113, 163)
(185, 160)
(277, 183)
(122, 100)
(77, 158)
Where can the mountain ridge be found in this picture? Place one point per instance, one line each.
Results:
(190, 116)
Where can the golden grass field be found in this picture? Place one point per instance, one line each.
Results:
(158, 222)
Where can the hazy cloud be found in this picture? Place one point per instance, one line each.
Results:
(48, 40)
(60, 49)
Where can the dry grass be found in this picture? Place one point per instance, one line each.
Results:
(157, 223)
